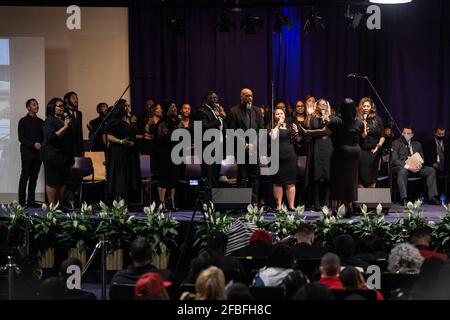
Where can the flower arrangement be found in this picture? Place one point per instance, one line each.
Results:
(402, 228)
(158, 229)
(329, 227)
(116, 224)
(45, 228)
(255, 215)
(76, 229)
(18, 223)
(441, 233)
(286, 223)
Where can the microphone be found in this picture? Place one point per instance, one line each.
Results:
(355, 75)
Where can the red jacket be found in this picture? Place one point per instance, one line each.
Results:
(332, 282)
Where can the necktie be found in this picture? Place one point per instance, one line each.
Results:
(247, 118)
(410, 149)
(440, 156)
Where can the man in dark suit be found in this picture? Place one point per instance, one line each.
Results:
(212, 116)
(305, 248)
(247, 116)
(402, 149)
(76, 127)
(436, 152)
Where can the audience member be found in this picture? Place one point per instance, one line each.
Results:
(210, 284)
(305, 247)
(73, 294)
(404, 258)
(150, 286)
(330, 266)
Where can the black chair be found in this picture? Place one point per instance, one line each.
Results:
(189, 287)
(235, 274)
(310, 267)
(83, 168)
(121, 291)
(251, 265)
(268, 293)
(343, 294)
(392, 281)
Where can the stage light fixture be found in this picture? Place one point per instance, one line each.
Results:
(281, 21)
(313, 21)
(251, 23)
(225, 24)
(390, 1)
(353, 19)
(178, 26)
(236, 7)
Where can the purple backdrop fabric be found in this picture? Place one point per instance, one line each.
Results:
(408, 60)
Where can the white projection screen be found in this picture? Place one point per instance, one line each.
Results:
(22, 76)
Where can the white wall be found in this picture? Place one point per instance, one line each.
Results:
(92, 61)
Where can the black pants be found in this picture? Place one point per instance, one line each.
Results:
(248, 177)
(29, 174)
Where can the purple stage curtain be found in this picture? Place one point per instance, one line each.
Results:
(408, 60)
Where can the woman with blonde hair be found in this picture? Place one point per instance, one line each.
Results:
(371, 143)
(210, 284)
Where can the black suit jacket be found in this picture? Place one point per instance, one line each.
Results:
(236, 120)
(400, 151)
(207, 118)
(430, 152)
(76, 131)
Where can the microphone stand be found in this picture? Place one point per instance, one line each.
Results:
(12, 270)
(391, 118)
(100, 245)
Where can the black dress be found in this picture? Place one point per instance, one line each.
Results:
(57, 153)
(287, 170)
(368, 162)
(319, 154)
(301, 148)
(163, 168)
(122, 164)
(345, 158)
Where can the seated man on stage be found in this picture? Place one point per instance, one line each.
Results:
(405, 160)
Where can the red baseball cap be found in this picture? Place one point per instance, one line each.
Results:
(150, 284)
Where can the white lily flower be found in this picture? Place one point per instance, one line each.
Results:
(332, 219)
(341, 210)
(445, 206)
(54, 220)
(364, 209)
(89, 208)
(44, 207)
(153, 206)
(431, 223)
(75, 223)
(327, 221)
(122, 203)
(250, 208)
(284, 231)
(379, 209)
(103, 214)
(130, 218)
(68, 215)
(290, 218)
(12, 215)
(147, 210)
(325, 210)
(410, 205)
(417, 204)
(299, 210)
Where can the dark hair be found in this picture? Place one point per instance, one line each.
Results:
(28, 103)
(439, 127)
(119, 111)
(306, 229)
(28, 264)
(350, 278)
(140, 250)
(348, 109)
(150, 98)
(52, 289)
(314, 291)
(331, 264)
(51, 105)
(100, 105)
(67, 263)
(281, 257)
(344, 246)
(207, 96)
(217, 241)
(165, 105)
(68, 95)
(408, 126)
(419, 233)
(239, 291)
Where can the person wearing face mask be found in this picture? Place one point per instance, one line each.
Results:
(437, 155)
(402, 149)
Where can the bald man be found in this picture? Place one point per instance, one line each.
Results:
(247, 116)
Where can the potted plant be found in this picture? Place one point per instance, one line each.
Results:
(256, 216)
(76, 232)
(18, 223)
(287, 223)
(117, 226)
(441, 234)
(160, 231)
(45, 230)
(329, 227)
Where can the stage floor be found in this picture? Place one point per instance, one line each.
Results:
(431, 212)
